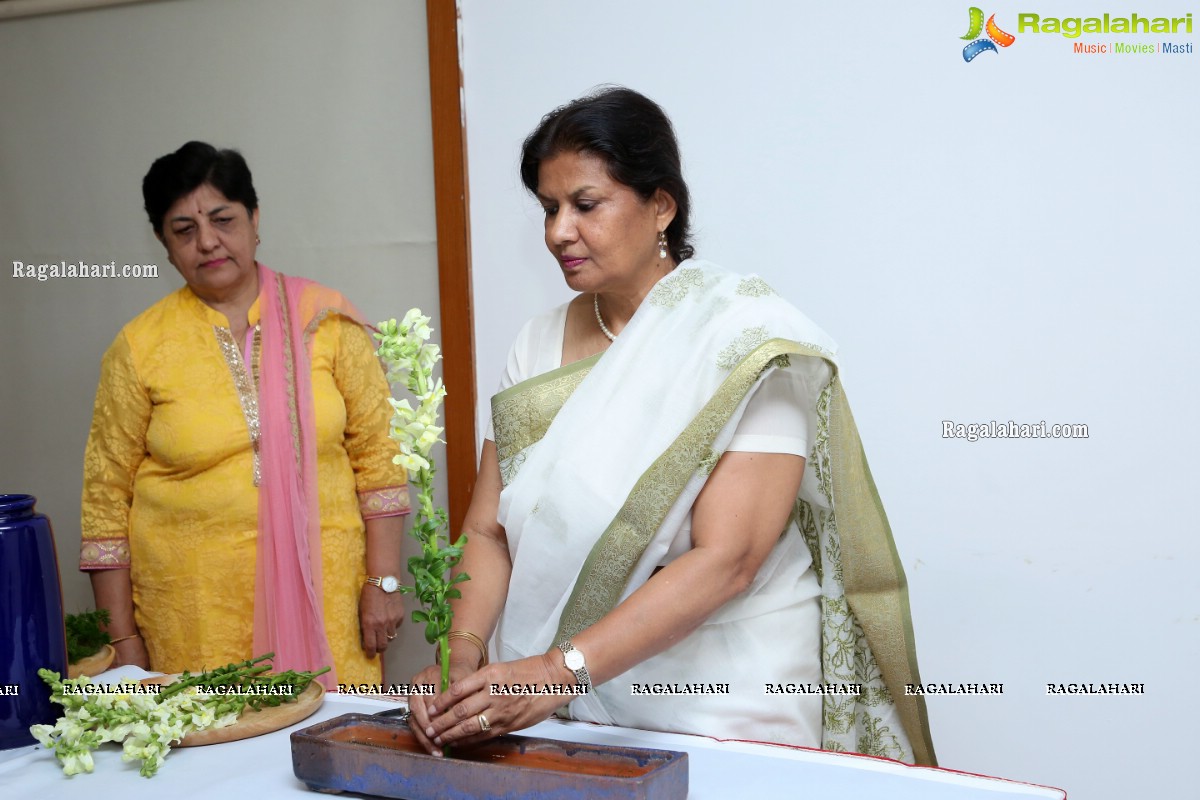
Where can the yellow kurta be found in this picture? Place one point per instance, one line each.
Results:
(169, 486)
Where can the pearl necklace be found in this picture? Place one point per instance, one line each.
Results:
(612, 337)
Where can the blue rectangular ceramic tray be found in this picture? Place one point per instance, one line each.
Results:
(372, 755)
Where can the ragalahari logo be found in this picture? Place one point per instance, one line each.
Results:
(982, 45)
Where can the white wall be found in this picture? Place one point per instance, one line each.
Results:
(1012, 238)
(329, 103)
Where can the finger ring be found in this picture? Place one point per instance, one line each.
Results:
(391, 636)
(484, 725)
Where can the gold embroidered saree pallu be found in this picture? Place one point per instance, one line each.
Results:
(602, 461)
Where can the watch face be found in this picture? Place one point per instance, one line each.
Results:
(574, 660)
(389, 584)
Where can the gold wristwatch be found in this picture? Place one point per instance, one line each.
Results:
(388, 583)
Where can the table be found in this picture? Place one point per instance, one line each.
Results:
(262, 768)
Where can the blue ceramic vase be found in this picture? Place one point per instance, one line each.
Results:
(31, 619)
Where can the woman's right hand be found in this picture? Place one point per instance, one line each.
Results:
(418, 704)
(132, 652)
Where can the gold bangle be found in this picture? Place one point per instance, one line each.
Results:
(123, 638)
(470, 637)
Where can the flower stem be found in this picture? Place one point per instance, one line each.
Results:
(444, 647)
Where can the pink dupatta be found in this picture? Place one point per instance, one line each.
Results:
(289, 617)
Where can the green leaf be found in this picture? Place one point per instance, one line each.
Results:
(84, 636)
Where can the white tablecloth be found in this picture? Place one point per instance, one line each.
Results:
(262, 768)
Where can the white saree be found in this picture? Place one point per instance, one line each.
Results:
(602, 460)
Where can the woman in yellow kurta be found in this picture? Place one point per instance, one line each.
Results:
(237, 499)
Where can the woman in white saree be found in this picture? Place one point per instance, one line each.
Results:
(673, 512)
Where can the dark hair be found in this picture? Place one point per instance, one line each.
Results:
(634, 137)
(191, 166)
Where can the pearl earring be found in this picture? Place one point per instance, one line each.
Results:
(662, 245)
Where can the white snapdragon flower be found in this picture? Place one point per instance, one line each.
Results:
(427, 356)
(202, 716)
(411, 462)
(225, 720)
(77, 761)
(43, 733)
(416, 324)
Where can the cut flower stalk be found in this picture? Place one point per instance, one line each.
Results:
(405, 348)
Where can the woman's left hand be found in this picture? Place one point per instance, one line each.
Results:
(455, 715)
(379, 616)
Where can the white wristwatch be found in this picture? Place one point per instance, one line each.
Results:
(388, 583)
(573, 660)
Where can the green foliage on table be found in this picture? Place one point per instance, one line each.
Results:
(85, 636)
(249, 683)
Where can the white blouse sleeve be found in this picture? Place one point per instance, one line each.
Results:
(781, 415)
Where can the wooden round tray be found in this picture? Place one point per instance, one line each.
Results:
(255, 723)
(93, 664)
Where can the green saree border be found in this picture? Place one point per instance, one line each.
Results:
(873, 575)
(522, 414)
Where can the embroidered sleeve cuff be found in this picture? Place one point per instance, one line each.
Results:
(104, 554)
(391, 501)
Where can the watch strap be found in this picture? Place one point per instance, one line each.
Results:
(582, 676)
